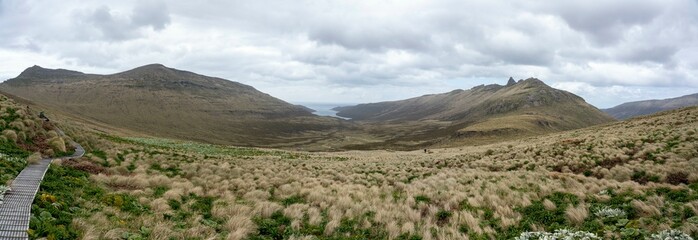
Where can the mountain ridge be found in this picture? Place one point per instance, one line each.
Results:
(646, 107)
(165, 102)
(483, 113)
(399, 109)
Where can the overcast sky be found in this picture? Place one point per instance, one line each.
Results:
(352, 51)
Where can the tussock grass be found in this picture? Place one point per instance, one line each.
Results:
(495, 191)
(34, 158)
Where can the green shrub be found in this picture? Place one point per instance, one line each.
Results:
(10, 149)
(124, 202)
(203, 205)
(99, 153)
(442, 216)
(694, 186)
(174, 204)
(563, 199)
(422, 198)
(640, 177)
(61, 196)
(551, 219)
(11, 165)
(275, 227)
(678, 195)
(159, 191)
(292, 200)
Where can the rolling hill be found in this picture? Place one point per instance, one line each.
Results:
(526, 107)
(165, 102)
(162, 101)
(632, 109)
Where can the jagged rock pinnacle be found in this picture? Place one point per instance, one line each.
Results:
(511, 81)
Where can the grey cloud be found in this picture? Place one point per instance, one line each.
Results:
(111, 27)
(370, 38)
(25, 44)
(607, 21)
(658, 54)
(366, 45)
(538, 57)
(328, 55)
(519, 53)
(152, 14)
(119, 27)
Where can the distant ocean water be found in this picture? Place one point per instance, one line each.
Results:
(325, 109)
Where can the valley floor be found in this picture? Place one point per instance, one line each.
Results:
(626, 180)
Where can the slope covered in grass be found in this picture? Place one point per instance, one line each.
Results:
(167, 102)
(639, 108)
(626, 180)
(482, 114)
(24, 137)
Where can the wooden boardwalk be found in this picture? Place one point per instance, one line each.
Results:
(15, 212)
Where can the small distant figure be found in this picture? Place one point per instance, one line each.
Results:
(42, 115)
(425, 150)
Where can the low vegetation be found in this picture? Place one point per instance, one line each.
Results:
(628, 180)
(24, 139)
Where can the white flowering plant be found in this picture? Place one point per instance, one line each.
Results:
(608, 212)
(670, 235)
(558, 234)
(3, 190)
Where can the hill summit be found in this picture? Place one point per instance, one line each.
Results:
(38, 73)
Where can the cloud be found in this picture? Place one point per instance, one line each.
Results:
(515, 47)
(104, 23)
(348, 50)
(657, 54)
(607, 21)
(153, 14)
(370, 38)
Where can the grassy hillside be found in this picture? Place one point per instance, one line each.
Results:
(167, 102)
(639, 108)
(626, 180)
(476, 103)
(482, 114)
